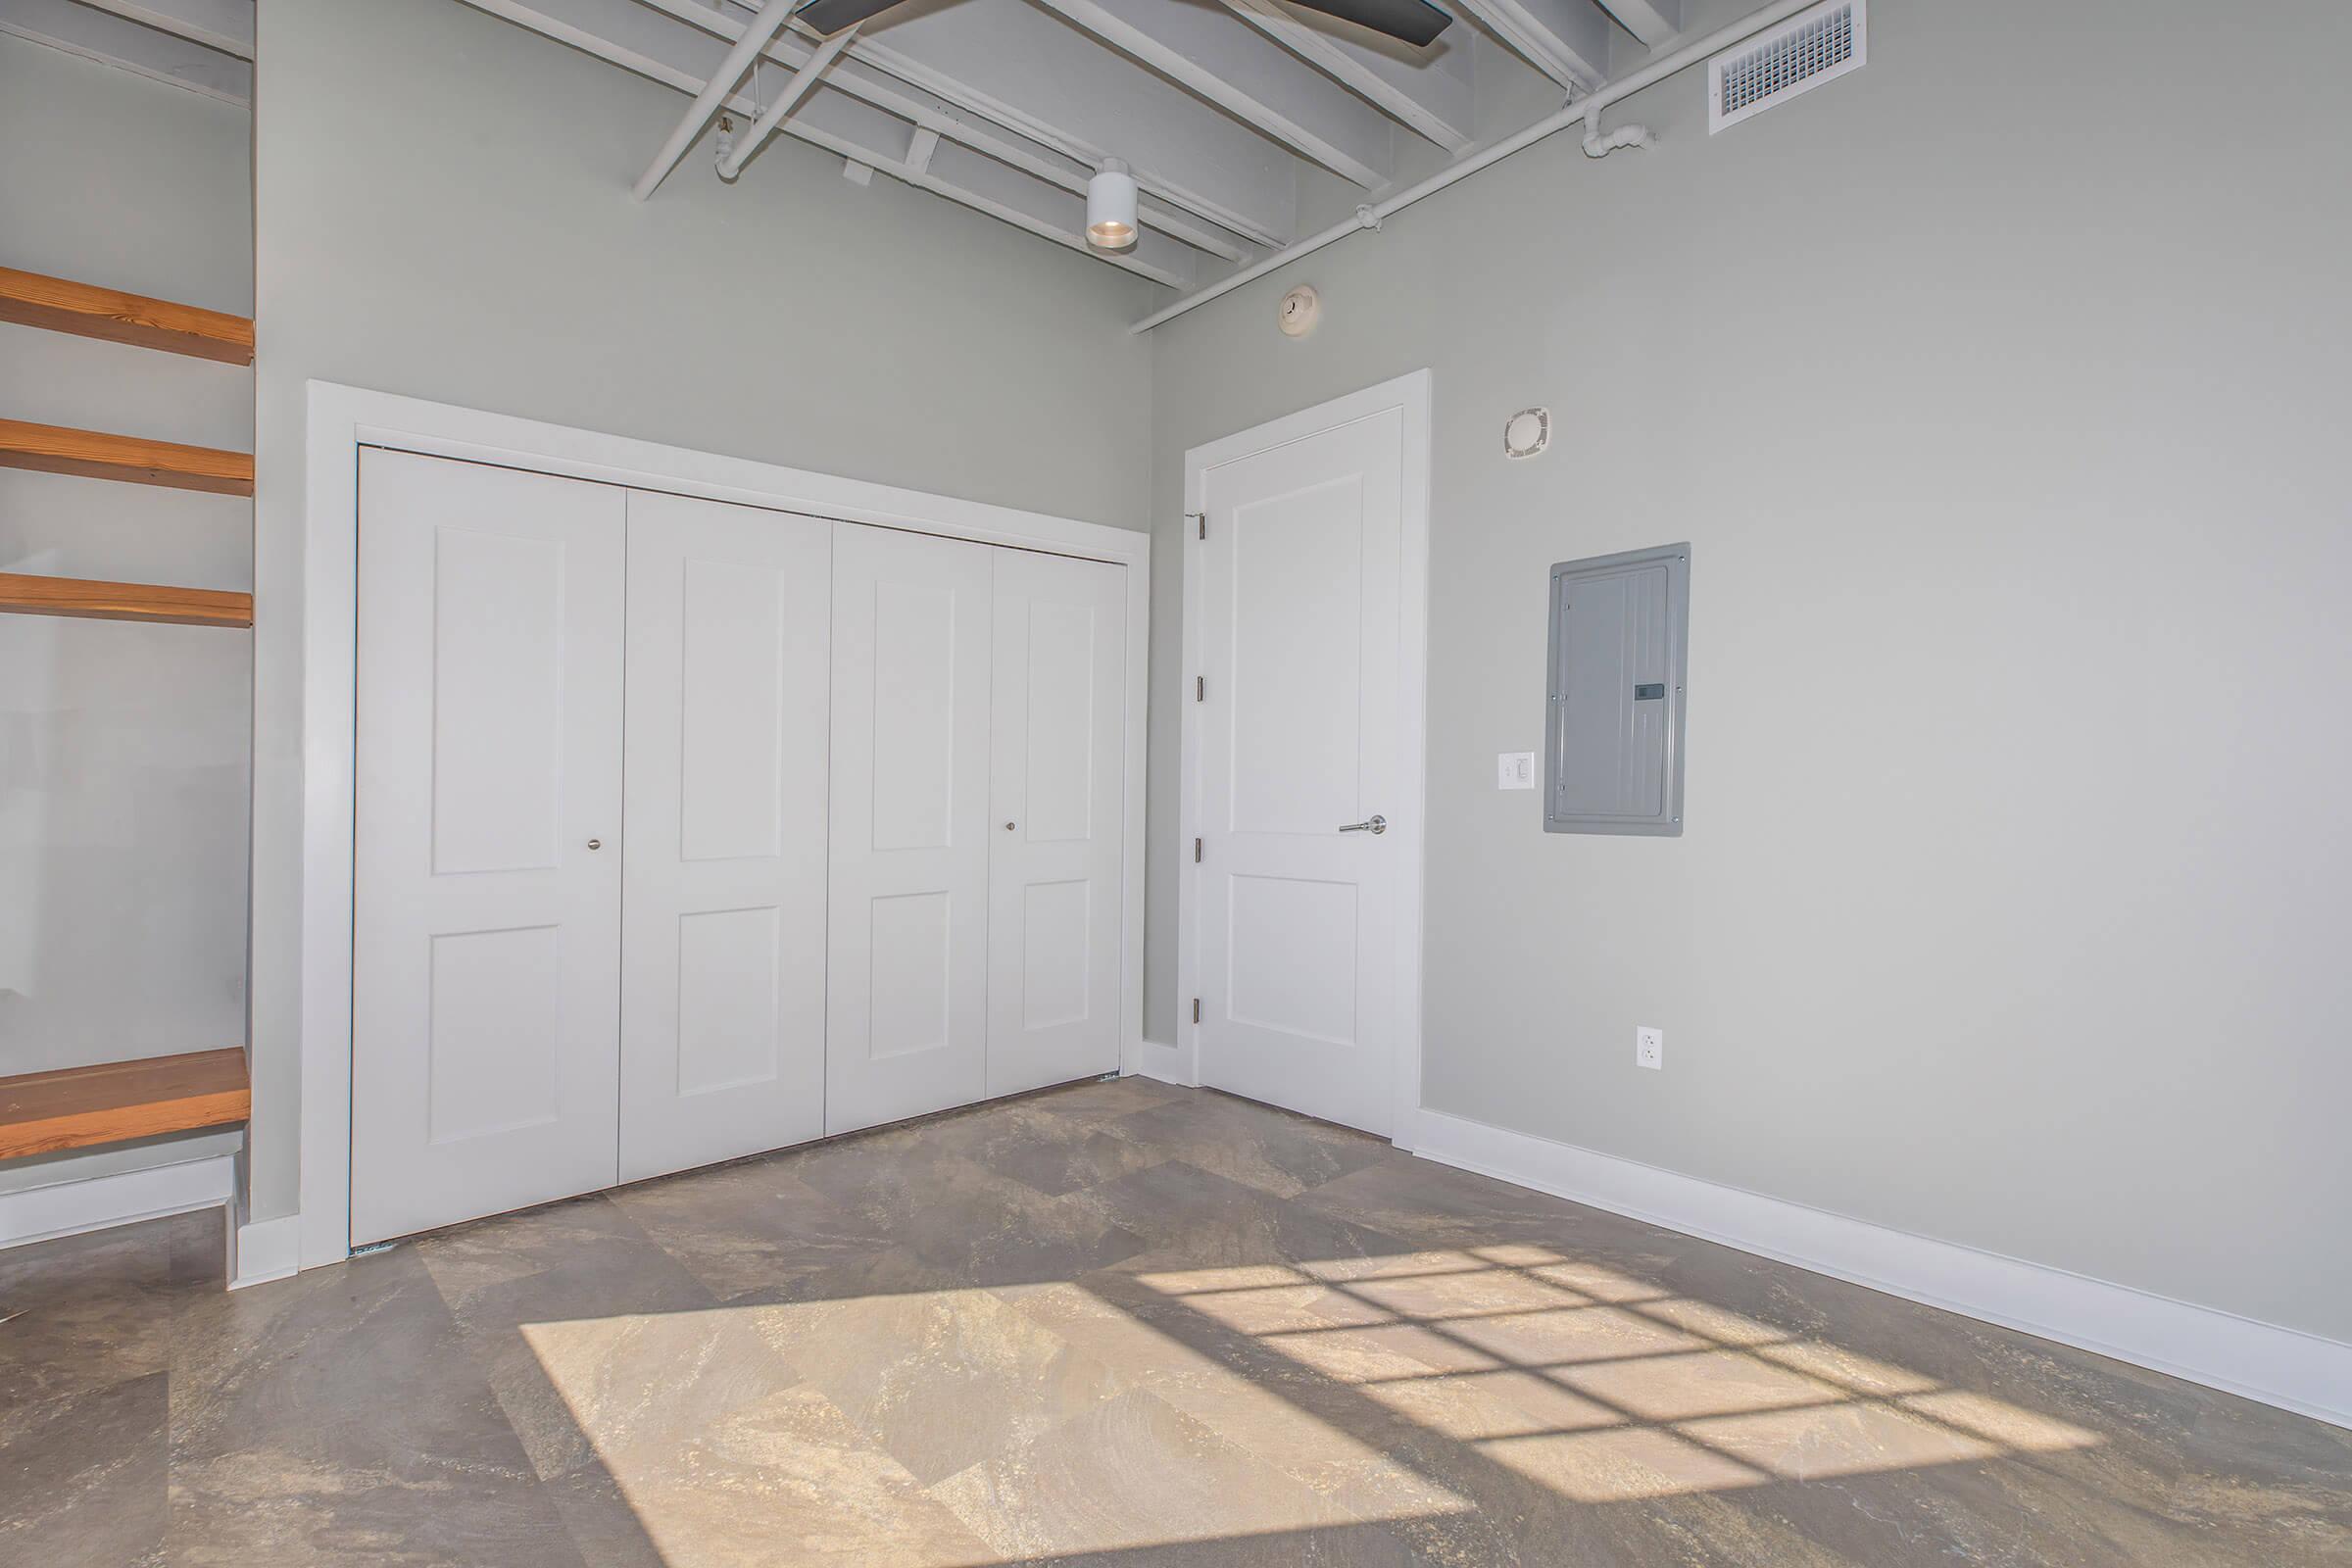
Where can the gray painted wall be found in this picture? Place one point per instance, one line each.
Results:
(442, 210)
(122, 749)
(2000, 393)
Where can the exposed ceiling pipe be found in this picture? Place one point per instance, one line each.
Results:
(714, 93)
(1585, 111)
(794, 92)
(1597, 145)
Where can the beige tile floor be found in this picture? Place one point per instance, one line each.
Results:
(1118, 1323)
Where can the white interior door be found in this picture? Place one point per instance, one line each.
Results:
(1299, 730)
(1058, 762)
(906, 1021)
(722, 991)
(486, 936)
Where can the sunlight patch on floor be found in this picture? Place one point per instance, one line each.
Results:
(1602, 1386)
(963, 1428)
(949, 1428)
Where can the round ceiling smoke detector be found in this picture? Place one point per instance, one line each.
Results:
(1527, 433)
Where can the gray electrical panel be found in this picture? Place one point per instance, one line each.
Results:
(1613, 726)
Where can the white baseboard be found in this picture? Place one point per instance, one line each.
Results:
(264, 1250)
(119, 1198)
(1164, 1063)
(2281, 1366)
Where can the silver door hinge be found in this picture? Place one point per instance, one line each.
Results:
(1201, 522)
(1196, 851)
(1195, 1010)
(1199, 688)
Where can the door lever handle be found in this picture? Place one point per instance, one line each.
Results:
(1370, 824)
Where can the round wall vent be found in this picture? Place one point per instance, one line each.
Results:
(1527, 433)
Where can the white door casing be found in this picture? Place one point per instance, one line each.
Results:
(486, 938)
(906, 1019)
(1305, 616)
(1057, 760)
(345, 425)
(722, 994)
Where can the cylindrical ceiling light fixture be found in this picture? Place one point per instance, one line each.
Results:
(1110, 207)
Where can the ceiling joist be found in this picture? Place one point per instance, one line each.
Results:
(222, 24)
(1429, 91)
(1655, 21)
(109, 40)
(628, 22)
(997, 68)
(1213, 54)
(683, 58)
(1568, 40)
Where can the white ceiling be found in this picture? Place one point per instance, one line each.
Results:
(1226, 110)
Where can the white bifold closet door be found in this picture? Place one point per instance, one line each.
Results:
(874, 795)
(1057, 770)
(722, 992)
(907, 1023)
(486, 943)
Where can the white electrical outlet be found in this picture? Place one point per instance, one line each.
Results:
(1650, 1047)
(1514, 770)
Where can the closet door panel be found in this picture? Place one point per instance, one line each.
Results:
(1058, 772)
(486, 933)
(906, 1014)
(723, 952)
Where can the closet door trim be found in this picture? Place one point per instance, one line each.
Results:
(305, 708)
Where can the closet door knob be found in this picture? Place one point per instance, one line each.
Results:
(595, 844)
(1008, 827)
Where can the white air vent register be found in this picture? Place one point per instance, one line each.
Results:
(1808, 49)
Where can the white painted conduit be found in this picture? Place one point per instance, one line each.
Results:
(1585, 111)
(789, 99)
(714, 93)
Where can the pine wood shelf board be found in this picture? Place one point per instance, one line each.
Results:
(79, 1108)
(82, 599)
(56, 449)
(61, 305)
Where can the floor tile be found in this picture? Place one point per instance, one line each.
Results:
(83, 1475)
(1254, 1145)
(1191, 1218)
(751, 1227)
(1131, 1474)
(1110, 1100)
(91, 1311)
(787, 1479)
(629, 1381)
(337, 1415)
(941, 1379)
(1436, 1206)
(1258, 1414)
(957, 1215)
(526, 1287)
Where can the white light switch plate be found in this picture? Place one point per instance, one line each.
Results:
(1650, 1047)
(1514, 770)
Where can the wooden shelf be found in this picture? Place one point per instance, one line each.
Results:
(86, 311)
(75, 1108)
(54, 449)
(81, 599)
